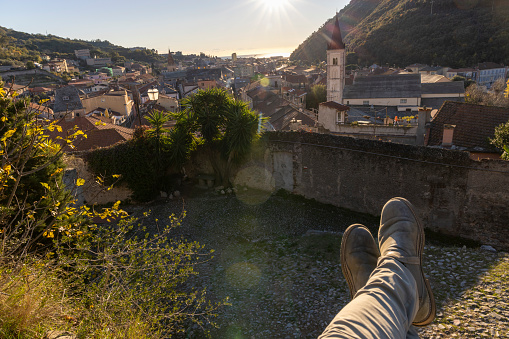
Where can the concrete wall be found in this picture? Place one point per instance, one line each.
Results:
(412, 103)
(406, 134)
(452, 193)
(118, 103)
(91, 192)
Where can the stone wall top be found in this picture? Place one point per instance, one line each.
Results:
(422, 153)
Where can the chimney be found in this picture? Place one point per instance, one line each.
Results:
(448, 135)
(423, 119)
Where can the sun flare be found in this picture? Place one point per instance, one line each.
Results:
(275, 4)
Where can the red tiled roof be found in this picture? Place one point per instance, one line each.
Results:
(102, 135)
(299, 92)
(460, 70)
(489, 65)
(296, 79)
(475, 124)
(336, 105)
(33, 107)
(40, 89)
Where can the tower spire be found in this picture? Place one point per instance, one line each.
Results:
(171, 63)
(336, 41)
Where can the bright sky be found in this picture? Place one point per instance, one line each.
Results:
(218, 27)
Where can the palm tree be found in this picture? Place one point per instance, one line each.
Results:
(157, 119)
(240, 132)
(227, 128)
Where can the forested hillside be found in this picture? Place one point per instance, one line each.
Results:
(16, 48)
(456, 33)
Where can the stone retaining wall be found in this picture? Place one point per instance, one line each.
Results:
(452, 193)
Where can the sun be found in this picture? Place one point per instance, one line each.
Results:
(275, 5)
(273, 15)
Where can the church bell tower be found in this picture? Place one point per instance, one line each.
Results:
(171, 67)
(336, 59)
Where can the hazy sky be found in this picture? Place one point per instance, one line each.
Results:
(216, 27)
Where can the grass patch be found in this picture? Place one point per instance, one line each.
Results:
(31, 302)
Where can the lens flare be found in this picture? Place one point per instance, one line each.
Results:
(243, 275)
(254, 185)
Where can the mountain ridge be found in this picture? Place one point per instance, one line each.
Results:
(16, 48)
(459, 33)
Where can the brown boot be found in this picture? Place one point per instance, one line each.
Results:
(401, 236)
(359, 255)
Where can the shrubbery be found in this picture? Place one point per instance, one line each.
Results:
(501, 139)
(58, 270)
(225, 127)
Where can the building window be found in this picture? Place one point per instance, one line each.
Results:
(334, 61)
(365, 102)
(338, 118)
(402, 101)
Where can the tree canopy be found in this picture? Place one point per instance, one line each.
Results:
(211, 120)
(228, 128)
(501, 139)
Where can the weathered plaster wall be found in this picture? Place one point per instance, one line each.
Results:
(91, 192)
(452, 193)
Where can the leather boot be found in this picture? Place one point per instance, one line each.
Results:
(401, 236)
(359, 255)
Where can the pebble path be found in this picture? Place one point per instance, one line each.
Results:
(277, 260)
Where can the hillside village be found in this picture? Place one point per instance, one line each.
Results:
(380, 103)
(328, 143)
(418, 105)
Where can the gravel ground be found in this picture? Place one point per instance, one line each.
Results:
(277, 259)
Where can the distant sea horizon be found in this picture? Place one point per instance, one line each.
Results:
(260, 55)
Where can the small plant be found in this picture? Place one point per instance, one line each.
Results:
(501, 139)
(32, 301)
(129, 282)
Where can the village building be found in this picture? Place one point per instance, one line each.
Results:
(489, 72)
(98, 61)
(68, 103)
(172, 66)
(467, 127)
(113, 101)
(98, 133)
(57, 66)
(282, 114)
(169, 103)
(82, 54)
(383, 104)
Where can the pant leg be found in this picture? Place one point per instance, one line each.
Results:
(384, 308)
(412, 333)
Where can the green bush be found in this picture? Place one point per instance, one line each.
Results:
(501, 139)
(130, 283)
(60, 271)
